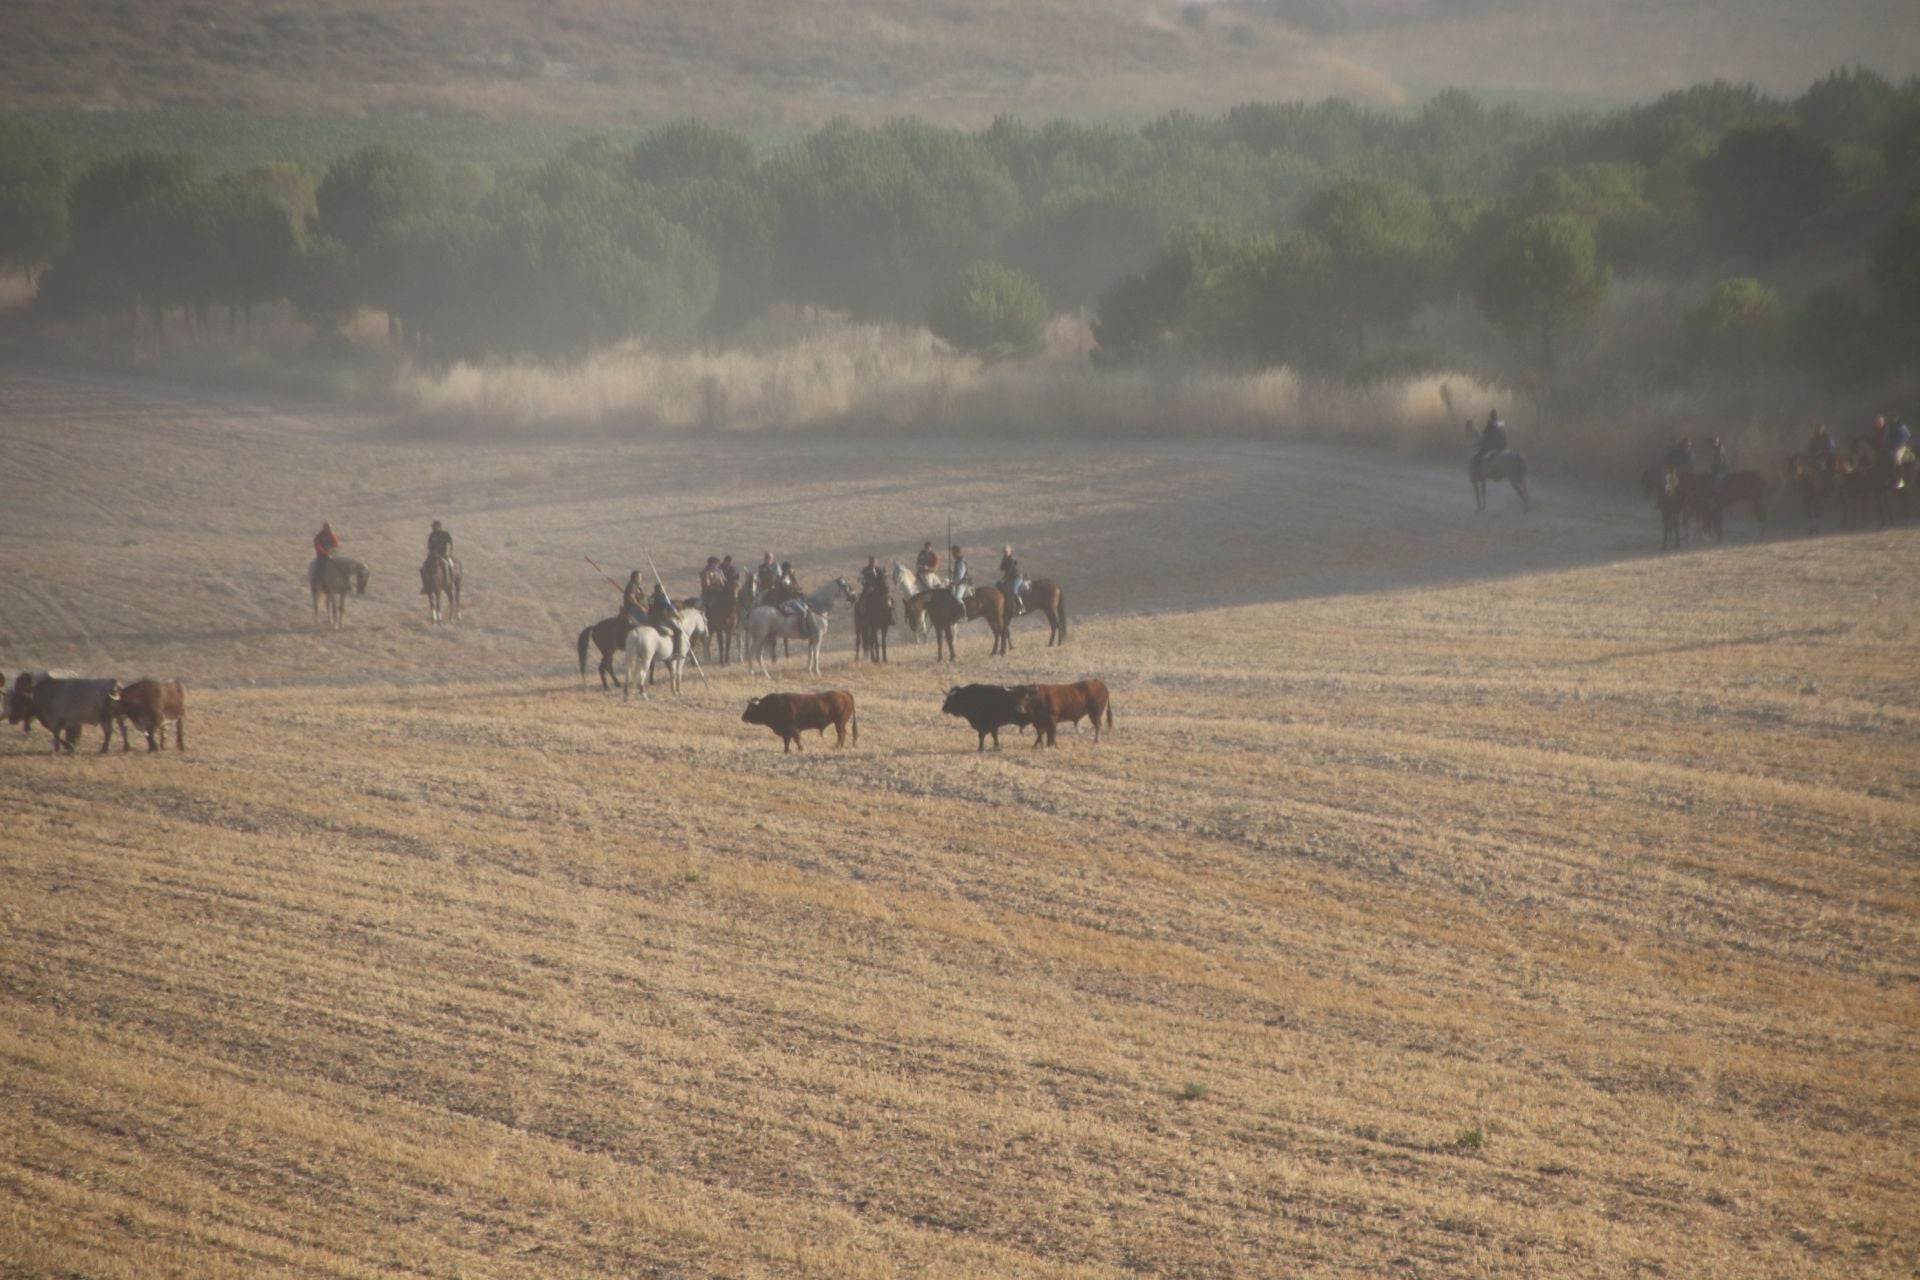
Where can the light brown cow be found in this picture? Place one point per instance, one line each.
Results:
(1049, 705)
(150, 704)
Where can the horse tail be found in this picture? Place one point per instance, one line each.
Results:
(1060, 605)
(853, 723)
(1109, 713)
(586, 634)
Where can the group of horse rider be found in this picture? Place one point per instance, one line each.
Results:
(1888, 445)
(926, 567)
(439, 551)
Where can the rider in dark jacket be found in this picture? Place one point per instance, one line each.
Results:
(664, 616)
(1680, 456)
(1719, 465)
(1822, 451)
(439, 547)
(1010, 580)
(1493, 439)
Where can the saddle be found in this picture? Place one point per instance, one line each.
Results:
(793, 608)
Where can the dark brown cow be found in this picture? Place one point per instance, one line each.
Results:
(150, 704)
(791, 714)
(67, 706)
(989, 708)
(19, 697)
(1050, 705)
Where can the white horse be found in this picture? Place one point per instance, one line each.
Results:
(646, 646)
(907, 586)
(768, 624)
(818, 605)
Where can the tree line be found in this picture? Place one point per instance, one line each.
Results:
(1304, 234)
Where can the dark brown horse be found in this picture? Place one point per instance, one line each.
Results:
(1670, 499)
(1711, 501)
(443, 589)
(610, 635)
(1043, 595)
(1869, 479)
(872, 619)
(945, 613)
(1816, 485)
(722, 608)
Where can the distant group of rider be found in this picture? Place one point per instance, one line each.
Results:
(775, 583)
(1887, 448)
(439, 553)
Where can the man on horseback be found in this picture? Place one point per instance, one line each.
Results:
(1493, 440)
(1010, 580)
(962, 581)
(873, 577)
(1680, 456)
(925, 564)
(1719, 465)
(325, 543)
(729, 574)
(633, 599)
(439, 551)
(766, 575)
(1822, 452)
(663, 616)
(788, 582)
(1896, 442)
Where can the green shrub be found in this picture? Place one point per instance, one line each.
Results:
(993, 312)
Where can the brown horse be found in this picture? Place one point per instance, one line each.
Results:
(945, 613)
(722, 608)
(872, 619)
(1815, 484)
(1711, 502)
(610, 636)
(1868, 479)
(443, 589)
(332, 577)
(1672, 503)
(1043, 595)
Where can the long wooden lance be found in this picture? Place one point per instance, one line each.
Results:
(603, 573)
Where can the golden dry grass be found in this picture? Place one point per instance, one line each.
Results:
(1458, 896)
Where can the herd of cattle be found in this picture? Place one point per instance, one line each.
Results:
(65, 704)
(988, 708)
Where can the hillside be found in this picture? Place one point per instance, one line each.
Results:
(1455, 895)
(797, 64)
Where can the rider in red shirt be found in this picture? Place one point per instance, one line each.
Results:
(325, 542)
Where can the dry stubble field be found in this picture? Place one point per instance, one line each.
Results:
(1456, 896)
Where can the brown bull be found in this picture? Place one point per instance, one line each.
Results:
(1050, 705)
(791, 714)
(151, 705)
